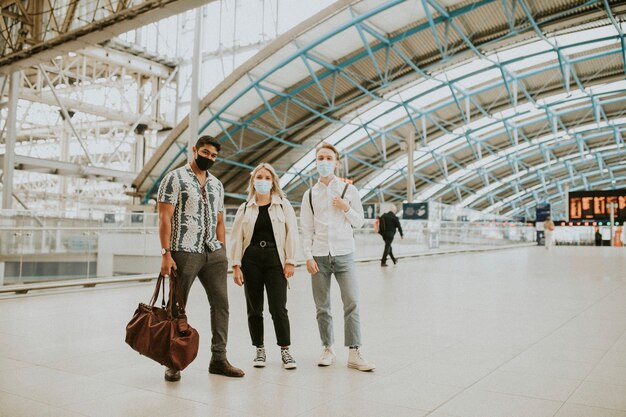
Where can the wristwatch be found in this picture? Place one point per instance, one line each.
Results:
(164, 251)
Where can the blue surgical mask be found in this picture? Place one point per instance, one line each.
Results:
(325, 168)
(262, 186)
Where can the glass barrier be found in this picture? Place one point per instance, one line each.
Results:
(36, 247)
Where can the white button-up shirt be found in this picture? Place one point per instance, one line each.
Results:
(327, 230)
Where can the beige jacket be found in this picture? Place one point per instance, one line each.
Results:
(284, 225)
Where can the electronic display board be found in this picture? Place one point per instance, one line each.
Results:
(415, 211)
(593, 205)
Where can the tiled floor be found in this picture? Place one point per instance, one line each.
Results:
(520, 332)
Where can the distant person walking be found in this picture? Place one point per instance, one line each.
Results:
(598, 236)
(548, 228)
(263, 252)
(329, 211)
(193, 239)
(388, 223)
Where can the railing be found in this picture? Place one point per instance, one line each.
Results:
(40, 247)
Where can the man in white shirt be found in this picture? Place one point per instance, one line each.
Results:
(329, 211)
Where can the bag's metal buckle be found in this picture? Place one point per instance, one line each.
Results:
(262, 243)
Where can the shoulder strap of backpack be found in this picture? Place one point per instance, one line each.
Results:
(344, 190)
(311, 200)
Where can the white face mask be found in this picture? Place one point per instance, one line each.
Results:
(325, 168)
(262, 186)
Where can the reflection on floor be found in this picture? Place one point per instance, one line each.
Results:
(520, 332)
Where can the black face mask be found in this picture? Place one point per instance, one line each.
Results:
(203, 163)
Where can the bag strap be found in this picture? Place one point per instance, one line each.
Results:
(311, 196)
(175, 289)
(155, 294)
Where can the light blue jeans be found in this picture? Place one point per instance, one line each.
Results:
(343, 269)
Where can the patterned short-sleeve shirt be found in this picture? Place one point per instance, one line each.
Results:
(194, 222)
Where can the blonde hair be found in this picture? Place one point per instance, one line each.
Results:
(326, 145)
(275, 184)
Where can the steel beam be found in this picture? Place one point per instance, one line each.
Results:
(47, 166)
(96, 31)
(11, 128)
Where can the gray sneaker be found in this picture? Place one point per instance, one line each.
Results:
(288, 361)
(259, 358)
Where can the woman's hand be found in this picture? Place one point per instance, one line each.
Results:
(237, 275)
(311, 266)
(167, 264)
(289, 268)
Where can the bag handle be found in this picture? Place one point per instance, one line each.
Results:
(155, 295)
(175, 289)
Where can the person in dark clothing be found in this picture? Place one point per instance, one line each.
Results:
(387, 225)
(598, 237)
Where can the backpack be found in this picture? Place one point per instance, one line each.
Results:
(381, 225)
(311, 198)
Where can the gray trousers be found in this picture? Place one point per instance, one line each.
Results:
(343, 268)
(211, 269)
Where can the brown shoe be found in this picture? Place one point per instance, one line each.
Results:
(223, 367)
(172, 375)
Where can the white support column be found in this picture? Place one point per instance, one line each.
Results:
(65, 157)
(11, 137)
(612, 207)
(195, 84)
(410, 167)
(140, 146)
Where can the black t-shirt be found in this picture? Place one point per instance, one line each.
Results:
(263, 226)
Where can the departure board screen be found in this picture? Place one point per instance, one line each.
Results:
(594, 205)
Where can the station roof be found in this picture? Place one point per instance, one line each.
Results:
(509, 103)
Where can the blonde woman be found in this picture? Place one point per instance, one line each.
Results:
(263, 253)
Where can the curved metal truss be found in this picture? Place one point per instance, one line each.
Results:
(34, 31)
(502, 103)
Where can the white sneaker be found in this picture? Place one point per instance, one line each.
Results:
(288, 361)
(259, 358)
(328, 357)
(356, 361)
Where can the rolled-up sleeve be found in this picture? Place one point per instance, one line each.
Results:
(307, 226)
(355, 214)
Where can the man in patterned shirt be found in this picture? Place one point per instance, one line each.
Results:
(193, 241)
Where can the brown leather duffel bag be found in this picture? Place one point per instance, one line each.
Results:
(155, 333)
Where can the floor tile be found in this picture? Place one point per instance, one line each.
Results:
(478, 403)
(608, 374)
(358, 407)
(577, 410)
(133, 403)
(16, 406)
(597, 394)
(84, 389)
(410, 394)
(527, 385)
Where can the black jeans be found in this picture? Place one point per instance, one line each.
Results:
(388, 250)
(261, 268)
